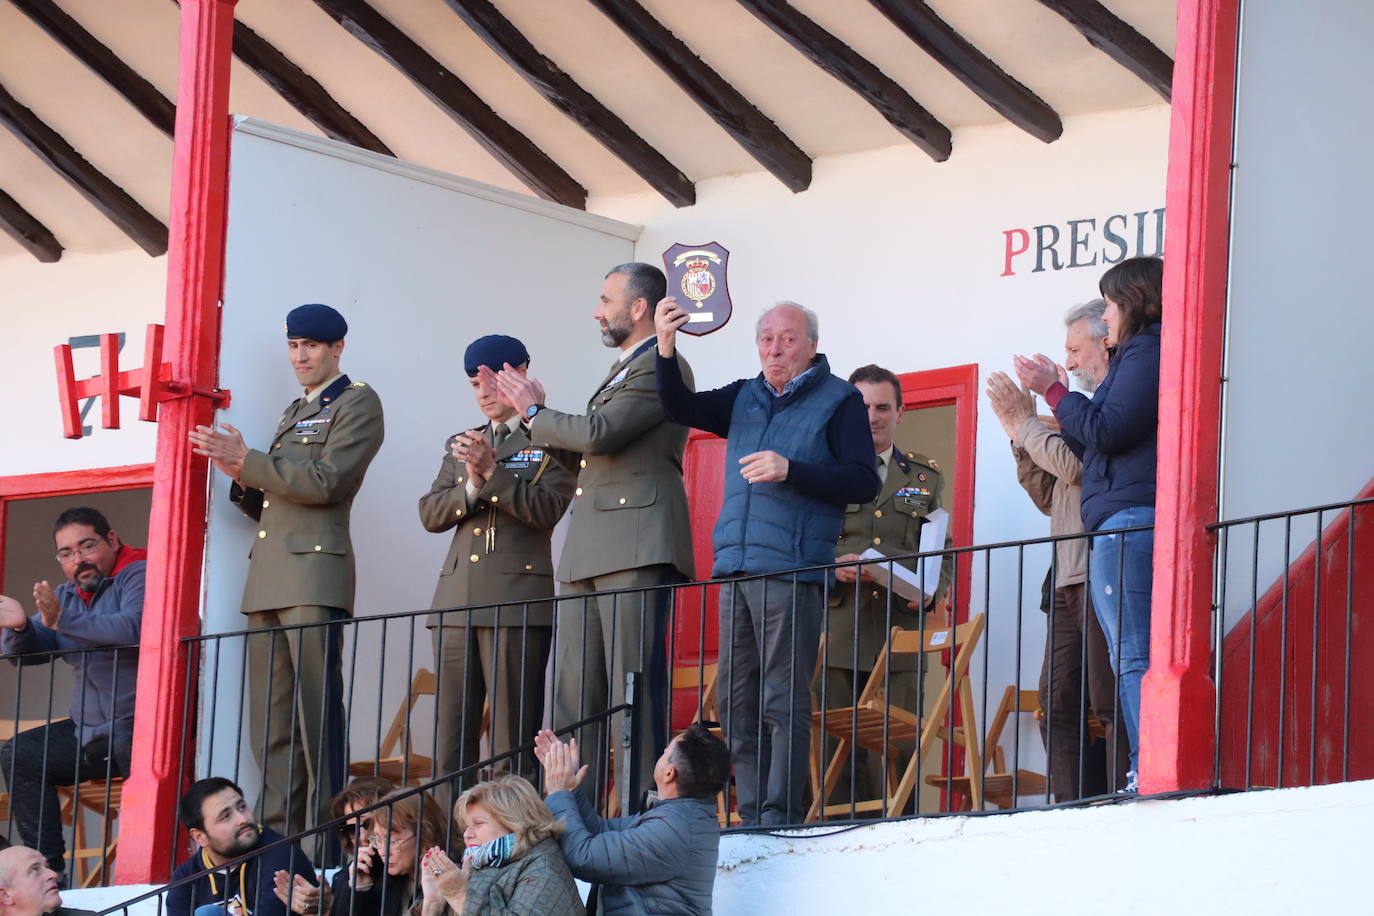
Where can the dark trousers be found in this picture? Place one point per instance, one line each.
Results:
(770, 633)
(597, 642)
(1079, 763)
(296, 719)
(36, 761)
(502, 667)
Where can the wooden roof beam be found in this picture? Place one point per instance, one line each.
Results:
(146, 230)
(302, 91)
(563, 92)
(101, 61)
(1008, 97)
(1120, 41)
(849, 67)
(509, 146)
(22, 226)
(759, 136)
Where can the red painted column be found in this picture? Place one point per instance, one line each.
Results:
(1177, 736)
(176, 529)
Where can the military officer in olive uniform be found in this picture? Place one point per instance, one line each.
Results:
(301, 568)
(629, 530)
(891, 524)
(503, 497)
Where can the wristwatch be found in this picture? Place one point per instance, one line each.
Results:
(531, 411)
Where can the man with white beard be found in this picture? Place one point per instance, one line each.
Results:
(1051, 473)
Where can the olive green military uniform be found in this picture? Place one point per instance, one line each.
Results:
(499, 553)
(301, 571)
(629, 529)
(891, 524)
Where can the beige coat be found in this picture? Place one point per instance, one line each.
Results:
(1051, 473)
(500, 548)
(631, 509)
(891, 524)
(301, 491)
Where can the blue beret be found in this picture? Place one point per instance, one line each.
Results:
(316, 322)
(493, 351)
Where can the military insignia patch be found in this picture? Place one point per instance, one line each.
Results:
(697, 272)
(921, 476)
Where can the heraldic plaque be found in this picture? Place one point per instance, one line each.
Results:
(697, 273)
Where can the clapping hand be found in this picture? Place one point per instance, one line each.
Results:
(513, 388)
(560, 761)
(471, 448)
(1039, 373)
(1011, 404)
(302, 897)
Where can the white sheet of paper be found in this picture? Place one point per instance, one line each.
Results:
(906, 582)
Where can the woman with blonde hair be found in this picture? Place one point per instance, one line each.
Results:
(512, 863)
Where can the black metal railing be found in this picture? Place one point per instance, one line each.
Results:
(950, 721)
(67, 733)
(1292, 644)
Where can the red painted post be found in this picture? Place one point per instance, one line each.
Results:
(1177, 738)
(176, 528)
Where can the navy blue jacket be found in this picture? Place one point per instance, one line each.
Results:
(1117, 432)
(251, 882)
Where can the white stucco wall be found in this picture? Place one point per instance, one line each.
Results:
(1279, 851)
(46, 304)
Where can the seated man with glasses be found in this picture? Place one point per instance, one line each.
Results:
(223, 826)
(99, 606)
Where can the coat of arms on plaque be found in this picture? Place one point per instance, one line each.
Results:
(696, 273)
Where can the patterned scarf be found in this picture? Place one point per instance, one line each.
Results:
(492, 855)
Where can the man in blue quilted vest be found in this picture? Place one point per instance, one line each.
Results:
(798, 451)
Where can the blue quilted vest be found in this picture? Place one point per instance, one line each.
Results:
(771, 526)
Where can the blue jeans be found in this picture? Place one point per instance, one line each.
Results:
(1122, 571)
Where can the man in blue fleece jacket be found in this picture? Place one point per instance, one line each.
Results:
(662, 860)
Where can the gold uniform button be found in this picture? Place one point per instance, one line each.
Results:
(476, 531)
(493, 499)
(582, 463)
(622, 500)
(877, 513)
(577, 492)
(877, 541)
(460, 479)
(875, 593)
(305, 441)
(266, 503)
(318, 547)
(458, 512)
(277, 445)
(262, 534)
(473, 558)
(529, 566)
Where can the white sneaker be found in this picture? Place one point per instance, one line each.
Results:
(1132, 785)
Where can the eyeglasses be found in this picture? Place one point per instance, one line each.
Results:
(86, 548)
(380, 841)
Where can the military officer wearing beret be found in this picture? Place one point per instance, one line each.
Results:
(300, 490)
(629, 529)
(502, 496)
(891, 524)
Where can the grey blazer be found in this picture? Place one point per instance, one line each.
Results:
(631, 509)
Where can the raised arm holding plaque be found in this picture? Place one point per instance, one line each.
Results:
(697, 273)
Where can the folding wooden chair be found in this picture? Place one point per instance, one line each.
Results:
(875, 725)
(401, 766)
(1000, 787)
(100, 800)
